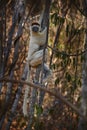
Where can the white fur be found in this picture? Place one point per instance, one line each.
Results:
(35, 57)
(36, 40)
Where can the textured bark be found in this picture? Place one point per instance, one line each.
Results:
(39, 69)
(82, 123)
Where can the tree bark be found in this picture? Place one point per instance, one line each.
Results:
(82, 123)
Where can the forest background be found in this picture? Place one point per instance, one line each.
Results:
(64, 106)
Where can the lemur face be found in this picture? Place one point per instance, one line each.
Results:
(35, 27)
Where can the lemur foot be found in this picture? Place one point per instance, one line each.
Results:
(48, 77)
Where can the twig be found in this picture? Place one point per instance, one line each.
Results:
(59, 28)
(64, 53)
(7, 101)
(58, 95)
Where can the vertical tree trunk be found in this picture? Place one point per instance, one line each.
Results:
(82, 123)
(39, 69)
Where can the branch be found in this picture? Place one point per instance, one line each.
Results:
(56, 41)
(45, 23)
(59, 28)
(64, 53)
(58, 95)
(80, 10)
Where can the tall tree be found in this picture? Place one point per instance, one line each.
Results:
(83, 123)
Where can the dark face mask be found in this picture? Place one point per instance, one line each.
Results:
(35, 29)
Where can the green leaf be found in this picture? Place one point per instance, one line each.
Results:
(57, 81)
(74, 62)
(79, 82)
(39, 110)
(68, 77)
(67, 30)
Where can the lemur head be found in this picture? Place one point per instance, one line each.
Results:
(35, 27)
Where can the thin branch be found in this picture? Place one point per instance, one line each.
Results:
(56, 41)
(10, 36)
(59, 28)
(58, 95)
(8, 99)
(80, 10)
(64, 53)
(45, 23)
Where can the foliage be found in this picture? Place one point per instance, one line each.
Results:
(66, 48)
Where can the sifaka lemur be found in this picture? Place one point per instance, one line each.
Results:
(35, 55)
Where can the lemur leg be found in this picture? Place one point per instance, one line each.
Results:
(37, 57)
(47, 74)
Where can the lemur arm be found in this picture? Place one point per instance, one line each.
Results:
(41, 14)
(42, 37)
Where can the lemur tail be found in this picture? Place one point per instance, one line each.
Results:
(25, 112)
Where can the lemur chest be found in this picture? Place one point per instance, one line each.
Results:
(33, 48)
(38, 39)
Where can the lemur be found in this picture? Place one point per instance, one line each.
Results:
(35, 55)
(37, 39)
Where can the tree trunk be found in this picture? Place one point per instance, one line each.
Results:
(82, 123)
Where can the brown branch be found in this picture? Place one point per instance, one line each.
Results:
(59, 28)
(58, 95)
(67, 54)
(56, 41)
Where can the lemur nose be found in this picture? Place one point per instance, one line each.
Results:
(35, 29)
